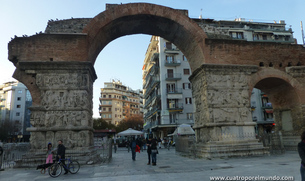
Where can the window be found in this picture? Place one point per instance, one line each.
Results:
(109, 109)
(109, 115)
(109, 96)
(255, 37)
(17, 113)
(168, 45)
(110, 102)
(186, 85)
(184, 58)
(18, 98)
(171, 103)
(169, 59)
(186, 71)
(170, 88)
(188, 100)
(172, 118)
(170, 73)
(240, 35)
(104, 96)
(264, 37)
(104, 115)
(189, 116)
(18, 106)
(104, 109)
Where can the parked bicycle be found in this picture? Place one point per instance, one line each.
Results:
(71, 165)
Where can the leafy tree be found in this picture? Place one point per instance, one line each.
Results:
(7, 129)
(135, 122)
(102, 124)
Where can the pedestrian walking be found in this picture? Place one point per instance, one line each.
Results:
(133, 145)
(301, 150)
(49, 153)
(61, 152)
(154, 151)
(159, 142)
(148, 144)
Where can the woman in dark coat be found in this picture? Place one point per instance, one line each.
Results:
(301, 150)
(148, 144)
(154, 151)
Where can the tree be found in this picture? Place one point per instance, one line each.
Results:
(6, 130)
(135, 122)
(102, 124)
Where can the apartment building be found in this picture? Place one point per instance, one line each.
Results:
(247, 30)
(118, 101)
(262, 112)
(167, 90)
(15, 100)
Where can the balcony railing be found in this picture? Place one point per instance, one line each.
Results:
(178, 106)
(172, 76)
(175, 91)
(172, 50)
(172, 63)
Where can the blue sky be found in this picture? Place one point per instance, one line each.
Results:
(20, 17)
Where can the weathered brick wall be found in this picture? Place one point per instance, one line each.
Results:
(274, 55)
(67, 26)
(48, 47)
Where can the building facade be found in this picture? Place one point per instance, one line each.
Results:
(167, 90)
(262, 112)
(247, 30)
(15, 100)
(118, 101)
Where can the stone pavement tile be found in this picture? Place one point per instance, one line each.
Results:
(170, 167)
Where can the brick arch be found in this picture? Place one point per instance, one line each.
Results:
(281, 88)
(136, 18)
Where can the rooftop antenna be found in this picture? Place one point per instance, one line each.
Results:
(302, 34)
(200, 17)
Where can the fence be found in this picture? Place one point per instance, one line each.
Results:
(18, 155)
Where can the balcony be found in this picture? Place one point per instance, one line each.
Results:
(154, 57)
(175, 107)
(267, 105)
(172, 76)
(174, 94)
(152, 112)
(172, 63)
(172, 50)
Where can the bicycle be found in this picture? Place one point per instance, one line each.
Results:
(56, 169)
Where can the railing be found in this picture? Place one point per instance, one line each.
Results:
(175, 91)
(175, 106)
(173, 76)
(172, 63)
(17, 155)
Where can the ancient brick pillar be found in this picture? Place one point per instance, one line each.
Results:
(223, 117)
(64, 110)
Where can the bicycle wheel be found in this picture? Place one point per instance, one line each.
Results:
(74, 167)
(55, 170)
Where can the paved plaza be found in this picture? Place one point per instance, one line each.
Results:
(170, 166)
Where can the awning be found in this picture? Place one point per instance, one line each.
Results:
(262, 31)
(282, 33)
(269, 110)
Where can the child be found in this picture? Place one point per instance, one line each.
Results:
(49, 154)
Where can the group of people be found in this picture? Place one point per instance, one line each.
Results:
(152, 149)
(60, 154)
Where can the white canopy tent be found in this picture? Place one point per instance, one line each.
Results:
(130, 132)
(183, 129)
